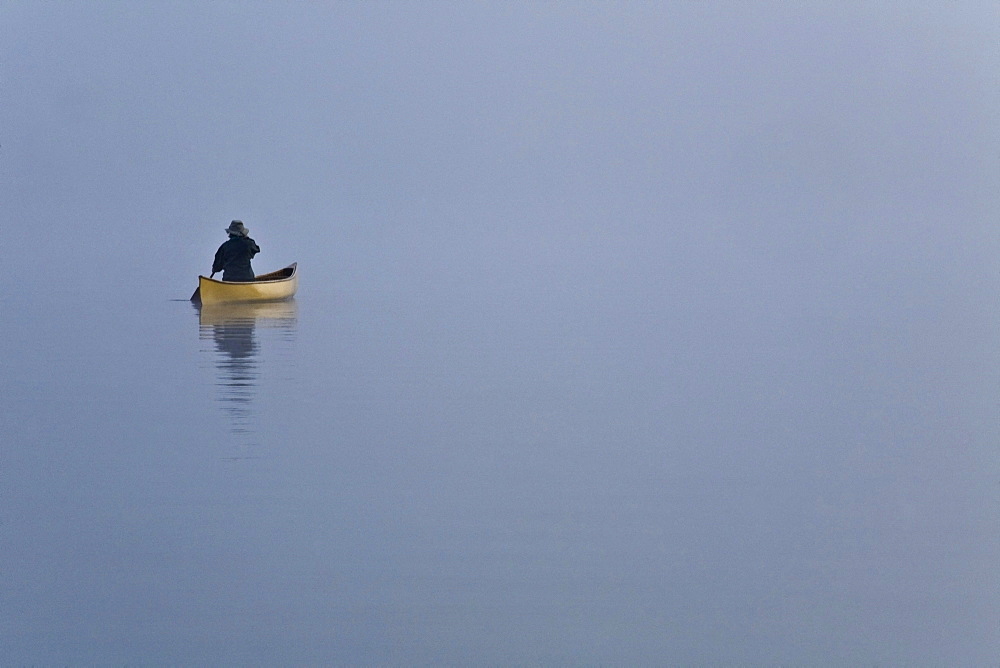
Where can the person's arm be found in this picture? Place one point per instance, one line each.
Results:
(219, 261)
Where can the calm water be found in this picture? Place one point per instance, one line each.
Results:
(629, 333)
(555, 470)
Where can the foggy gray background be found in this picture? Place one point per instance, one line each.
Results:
(637, 333)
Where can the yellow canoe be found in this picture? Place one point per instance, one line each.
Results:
(271, 287)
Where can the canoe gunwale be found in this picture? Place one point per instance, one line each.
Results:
(285, 274)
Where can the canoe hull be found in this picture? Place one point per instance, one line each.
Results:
(276, 286)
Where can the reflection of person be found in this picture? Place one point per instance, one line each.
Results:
(233, 257)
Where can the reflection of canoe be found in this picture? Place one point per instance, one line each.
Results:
(242, 340)
(271, 287)
(265, 314)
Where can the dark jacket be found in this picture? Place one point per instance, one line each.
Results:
(233, 259)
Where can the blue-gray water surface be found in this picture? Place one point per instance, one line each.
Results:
(629, 333)
(539, 471)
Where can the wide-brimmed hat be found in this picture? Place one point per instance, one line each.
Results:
(236, 227)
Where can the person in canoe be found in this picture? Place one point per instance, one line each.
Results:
(233, 257)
